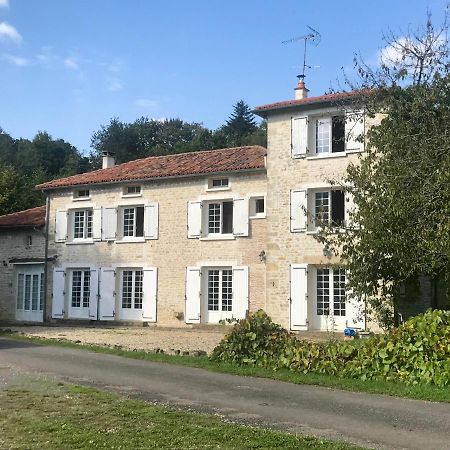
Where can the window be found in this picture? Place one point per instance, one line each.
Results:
(132, 292)
(82, 224)
(218, 183)
(81, 193)
(220, 290)
(29, 240)
(30, 291)
(330, 135)
(329, 207)
(133, 221)
(330, 291)
(220, 217)
(257, 207)
(81, 288)
(132, 190)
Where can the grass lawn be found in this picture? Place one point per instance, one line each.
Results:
(419, 392)
(44, 415)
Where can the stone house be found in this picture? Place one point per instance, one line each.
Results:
(22, 257)
(204, 237)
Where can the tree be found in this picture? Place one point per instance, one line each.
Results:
(240, 125)
(401, 183)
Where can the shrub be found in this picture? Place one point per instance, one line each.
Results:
(416, 352)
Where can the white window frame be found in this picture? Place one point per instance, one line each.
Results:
(253, 213)
(85, 274)
(21, 291)
(122, 222)
(127, 194)
(76, 195)
(212, 188)
(312, 226)
(85, 237)
(134, 273)
(332, 287)
(206, 217)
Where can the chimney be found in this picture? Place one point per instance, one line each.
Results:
(301, 90)
(108, 160)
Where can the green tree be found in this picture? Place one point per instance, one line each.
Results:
(401, 183)
(239, 125)
(148, 137)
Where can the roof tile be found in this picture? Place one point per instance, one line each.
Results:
(34, 217)
(179, 165)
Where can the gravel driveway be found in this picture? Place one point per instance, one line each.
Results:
(132, 338)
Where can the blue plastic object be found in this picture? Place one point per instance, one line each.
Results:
(350, 332)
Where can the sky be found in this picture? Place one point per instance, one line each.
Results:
(68, 66)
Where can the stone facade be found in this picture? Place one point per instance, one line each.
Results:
(172, 252)
(15, 245)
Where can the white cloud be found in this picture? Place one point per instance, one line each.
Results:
(8, 32)
(17, 60)
(146, 103)
(114, 85)
(4, 3)
(71, 63)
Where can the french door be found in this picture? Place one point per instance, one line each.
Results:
(219, 294)
(30, 293)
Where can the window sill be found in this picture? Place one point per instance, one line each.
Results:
(81, 242)
(131, 241)
(258, 216)
(131, 195)
(334, 155)
(224, 237)
(81, 199)
(218, 189)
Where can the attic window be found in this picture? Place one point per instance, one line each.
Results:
(132, 191)
(81, 194)
(218, 183)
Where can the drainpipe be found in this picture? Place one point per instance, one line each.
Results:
(47, 216)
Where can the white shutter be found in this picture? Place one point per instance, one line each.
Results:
(194, 220)
(299, 217)
(193, 288)
(97, 224)
(60, 225)
(107, 291)
(150, 286)
(109, 224)
(240, 292)
(354, 309)
(59, 281)
(354, 131)
(151, 221)
(240, 216)
(299, 297)
(299, 136)
(93, 297)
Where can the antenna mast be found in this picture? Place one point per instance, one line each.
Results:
(314, 37)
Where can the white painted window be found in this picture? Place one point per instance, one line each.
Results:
(30, 291)
(133, 221)
(220, 217)
(81, 288)
(132, 289)
(82, 224)
(220, 290)
(330, 291)
(257, 207)
(329, 208)
(330, 135)
(132, 191)
(81, 194)
(218, 183)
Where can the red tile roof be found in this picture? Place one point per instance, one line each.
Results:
(180, 165)
(34, 217)
(261, 110)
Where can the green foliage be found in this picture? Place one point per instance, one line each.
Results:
(418, 352)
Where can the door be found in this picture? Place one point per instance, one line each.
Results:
(30, 292)
(218, 287)
(82, 291)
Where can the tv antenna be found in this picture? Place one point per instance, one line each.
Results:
(313, 37)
